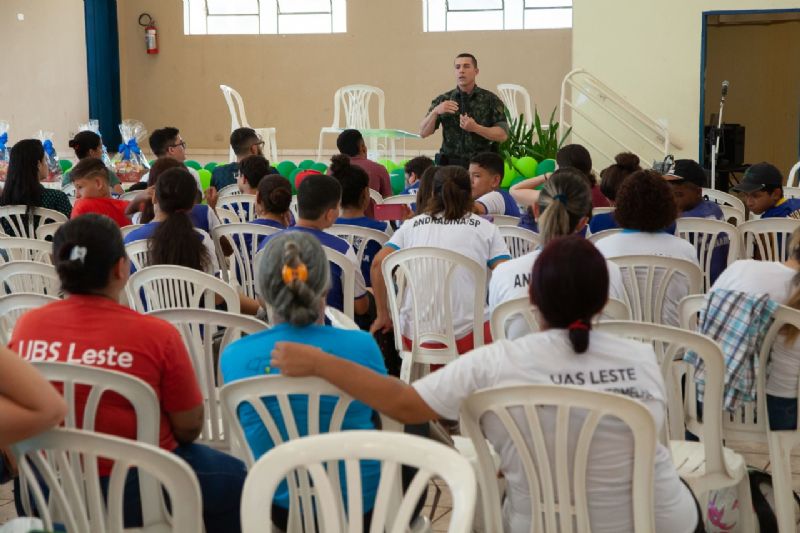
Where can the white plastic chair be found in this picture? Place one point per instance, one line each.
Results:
(647, 297)
(614, 310)
(594, 237)
(703, 234)
(339, 319)
(244, 205)
(21, 249)
(239, 119)
(129, 228)
(520, 241)
(509, 93)
(353, 101)
(602, 210)
(69, 189)
(767, 238)
(67, 463)
(29, 276)
(316, 460)
(404, 199)
(707, 465)
(226, 216)
(160, 287)
(791, 192)
(199, 329)
(242, 260)
(14, 306)
(561, 476)
(129, 196)
(358, 237)
(726, 202)
(423, 276)
(229, 190)
(793, 177)
(505, 220)
(138, 253)
(15, 222)
(376, 196)
(45, 232)
(348, 278)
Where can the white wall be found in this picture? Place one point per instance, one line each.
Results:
(650, 52)
(43, 82)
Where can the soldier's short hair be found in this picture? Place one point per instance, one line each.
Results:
(472, 57)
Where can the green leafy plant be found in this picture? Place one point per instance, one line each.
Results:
(521, 143)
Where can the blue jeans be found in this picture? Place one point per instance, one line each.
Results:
(781, 412)
(221, 478)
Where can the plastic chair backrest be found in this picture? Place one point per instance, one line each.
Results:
(653, 275)
(705, 235)
(353, 101)
(602, 210)
(793, 177)
(129, 196)
(594, 237)
(509, 93)
(348, 279)
(768, 238)
(405, 199)
(244, 205)
(66, 462)
(227, 216)
(129, 228)
(15, 222)
(339, 319)
(791, 192)
(614, 310)
(520, 241)
(244, 238)
(505, 220)
(669, 344)
(424, 276)
(723, 199)
(21, 249)
(160, 287)
(561, 476)
(730, 213)
(14, 306)
(229, 190)
(69, 189)
(293, 207)
(238, 116)
(45, 232)
(29, 276)
(200, 329)
(358, 237)
(376, 196)
(317, 460)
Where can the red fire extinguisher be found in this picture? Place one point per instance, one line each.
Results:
(150, 32)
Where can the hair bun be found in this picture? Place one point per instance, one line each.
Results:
(627, 161)
(339, 163)
(73, 143)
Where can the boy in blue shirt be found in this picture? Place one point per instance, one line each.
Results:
(486, 172)
(762, 185)
(414, 170)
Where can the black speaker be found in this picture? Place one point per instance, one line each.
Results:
(731, 146)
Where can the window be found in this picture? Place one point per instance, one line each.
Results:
(215, 17)
(461, 15)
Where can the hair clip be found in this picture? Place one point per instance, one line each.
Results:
(289, 274)
(78, 253)
(561, 198)
(579, 324)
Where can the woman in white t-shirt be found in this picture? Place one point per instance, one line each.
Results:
(566, 300)
(447, 222)
(645, 208)
(781, 282)
(563, 207)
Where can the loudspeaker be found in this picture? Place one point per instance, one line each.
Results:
(731, 146)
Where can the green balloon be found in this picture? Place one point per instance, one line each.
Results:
(205, 178)
(526, 166)
(322, 168)
(150, 163)
(65, 164)
(398, 179)
(509, 175)
(545, 167)
(387, 164)
(517, 180)
(285, 168)
(211, 166)
(192, 164)
(305, 164)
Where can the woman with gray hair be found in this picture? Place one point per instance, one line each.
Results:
(293, 277)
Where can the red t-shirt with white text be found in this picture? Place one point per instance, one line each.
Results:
(110, 207)
(98, 332)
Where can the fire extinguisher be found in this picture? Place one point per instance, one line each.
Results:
(150, 32)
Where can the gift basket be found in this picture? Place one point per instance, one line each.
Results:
(4, 150)
(50, 155)
(130, 163)
(94, 126)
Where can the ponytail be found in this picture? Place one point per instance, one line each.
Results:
(579, 334)
(563, 201)
(452, 193)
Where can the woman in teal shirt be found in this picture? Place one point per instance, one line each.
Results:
(294, 280)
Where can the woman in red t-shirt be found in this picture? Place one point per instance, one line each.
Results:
(90, 328)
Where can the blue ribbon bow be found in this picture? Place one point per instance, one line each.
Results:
(3, 141)
(48, 147)
(126, 148)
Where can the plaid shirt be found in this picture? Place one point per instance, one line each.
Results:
(738, 322)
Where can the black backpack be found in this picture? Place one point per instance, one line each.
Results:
(763, 500)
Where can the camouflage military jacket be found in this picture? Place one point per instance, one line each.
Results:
(483, 106)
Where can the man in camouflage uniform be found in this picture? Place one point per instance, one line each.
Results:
(473, 120)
